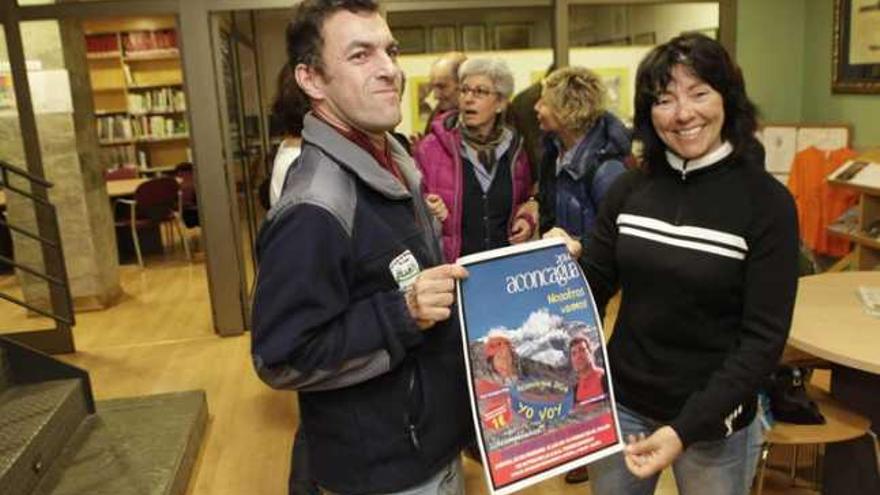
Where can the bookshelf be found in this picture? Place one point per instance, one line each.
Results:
(864, 232)
(137, 88)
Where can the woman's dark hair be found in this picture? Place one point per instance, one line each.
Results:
(706, 59)
(303, 36)
(290, 105)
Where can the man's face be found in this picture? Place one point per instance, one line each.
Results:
(444, 86)
(581, 359)
(360, 83)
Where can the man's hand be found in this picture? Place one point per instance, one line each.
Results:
(436, 206)
(520, 232)
(648, 456)
(429, 298)
(574, 246)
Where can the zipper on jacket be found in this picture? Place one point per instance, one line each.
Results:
(410, 428)
(681, 194)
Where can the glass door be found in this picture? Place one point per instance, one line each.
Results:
(242, 126)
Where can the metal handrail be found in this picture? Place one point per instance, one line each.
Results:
(62, 305)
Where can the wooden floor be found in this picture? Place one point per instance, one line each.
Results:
(159, 338)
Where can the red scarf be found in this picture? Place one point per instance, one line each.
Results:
(360, 138)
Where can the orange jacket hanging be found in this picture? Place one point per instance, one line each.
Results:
(819, 204)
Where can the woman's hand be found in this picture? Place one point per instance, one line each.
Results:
(436, 206)
(521, 231)
(646, 457)
(574, 246)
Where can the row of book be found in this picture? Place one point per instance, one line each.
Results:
(136, 41)
(102, 43)
(123, 128)
(159, 100)
(157, 126)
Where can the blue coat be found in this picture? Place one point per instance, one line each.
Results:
(569, 198)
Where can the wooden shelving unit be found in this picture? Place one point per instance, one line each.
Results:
(137, 86)
(866, 255)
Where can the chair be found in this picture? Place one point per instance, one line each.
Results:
(155, 202)
(841, 424)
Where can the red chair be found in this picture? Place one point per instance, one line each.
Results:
(155, 202)
(121, 173)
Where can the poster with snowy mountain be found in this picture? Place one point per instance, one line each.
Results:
(540, 388)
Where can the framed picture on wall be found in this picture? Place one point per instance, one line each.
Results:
(410, 39)
(443, 39)
(473, 38)
(856, 49)
(513, 36)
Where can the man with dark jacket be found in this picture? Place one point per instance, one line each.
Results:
(352, 306)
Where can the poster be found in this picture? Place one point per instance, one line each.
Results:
(540, 387)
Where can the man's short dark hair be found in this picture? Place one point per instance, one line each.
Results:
(706, 59)
(304, 41)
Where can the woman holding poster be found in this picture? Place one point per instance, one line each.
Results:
(703, 244)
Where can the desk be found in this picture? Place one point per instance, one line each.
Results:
(115, 188)
(829, 322)
(124, 187)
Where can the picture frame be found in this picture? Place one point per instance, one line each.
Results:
(410, 39)
(473, 38)
(513, 36)
(855, 57)
(443, 39)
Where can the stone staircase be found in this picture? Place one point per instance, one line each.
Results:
(55, 439)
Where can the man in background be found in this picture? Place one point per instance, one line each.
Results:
(443, 79)
(352, 305)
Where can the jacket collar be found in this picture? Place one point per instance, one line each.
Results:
(355, 159)
(685, 167)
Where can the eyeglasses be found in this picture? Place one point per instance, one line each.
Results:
(479, 92)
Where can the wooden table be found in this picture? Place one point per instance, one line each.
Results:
(123, 187)
(115, 188)
(830, 322)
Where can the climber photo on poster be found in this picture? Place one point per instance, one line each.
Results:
(540, 386)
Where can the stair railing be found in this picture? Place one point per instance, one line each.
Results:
(48, 235)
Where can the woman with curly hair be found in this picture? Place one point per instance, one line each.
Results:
(584, 154)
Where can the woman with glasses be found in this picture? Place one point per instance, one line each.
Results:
(476, 174)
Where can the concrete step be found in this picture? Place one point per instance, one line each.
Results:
(36, 421)
(143, 446)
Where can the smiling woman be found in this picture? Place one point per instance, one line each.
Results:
(702, 243)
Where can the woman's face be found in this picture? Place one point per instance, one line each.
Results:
(479, 103)
(547, 119)
(688, 115)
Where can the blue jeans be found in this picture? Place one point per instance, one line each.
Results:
(719, 467)
(448, 481)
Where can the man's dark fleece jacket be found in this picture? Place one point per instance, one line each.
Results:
(705, 254)
(384, 405)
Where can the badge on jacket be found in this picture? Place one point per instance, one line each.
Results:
(404, 268)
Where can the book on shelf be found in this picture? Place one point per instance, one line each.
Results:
(142, 42)
(101, 44)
